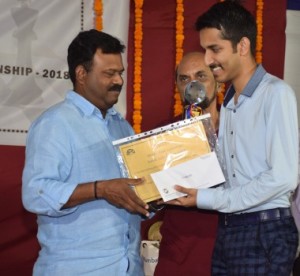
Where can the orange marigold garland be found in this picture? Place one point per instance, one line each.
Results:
(137, 81)
(98, 11)
(221, 90)
(179, 51)
(259, 37)
(221, 94)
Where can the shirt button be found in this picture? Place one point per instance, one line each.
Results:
(233, 175)
(234, 110)
(231, 132)
(232, 156)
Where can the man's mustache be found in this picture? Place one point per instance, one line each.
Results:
(115, 87)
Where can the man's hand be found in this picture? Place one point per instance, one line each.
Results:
(190, 200)
(119, 193)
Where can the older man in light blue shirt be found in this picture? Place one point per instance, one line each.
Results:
(88, 215)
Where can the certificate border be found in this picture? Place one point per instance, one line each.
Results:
(160, 129)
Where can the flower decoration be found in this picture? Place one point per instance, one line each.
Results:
(259, 36)
(221, 94)
(137, 81)
(221, 90)
(98, 11)
(179, 51)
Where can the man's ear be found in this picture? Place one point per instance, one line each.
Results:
(244, 46)
(80, 74)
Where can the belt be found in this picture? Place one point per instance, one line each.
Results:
(254, 217)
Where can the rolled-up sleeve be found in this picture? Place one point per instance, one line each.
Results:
(48, 162)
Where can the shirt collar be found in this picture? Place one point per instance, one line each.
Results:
(250, 87)
(85, 106)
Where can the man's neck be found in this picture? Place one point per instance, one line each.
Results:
(244, 77)
(212, 109)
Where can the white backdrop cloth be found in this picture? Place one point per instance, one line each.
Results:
(34, 38)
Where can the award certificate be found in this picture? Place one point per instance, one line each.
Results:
(161, 151)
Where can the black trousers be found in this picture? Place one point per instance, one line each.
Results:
(263, 248)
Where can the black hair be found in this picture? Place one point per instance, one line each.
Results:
(82, 49)
(232, 19)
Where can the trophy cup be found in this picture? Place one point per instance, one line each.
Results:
(194, 95)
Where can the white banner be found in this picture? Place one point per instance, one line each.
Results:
(33, 58)
(35, 35)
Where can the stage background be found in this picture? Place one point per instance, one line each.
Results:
(59, 22)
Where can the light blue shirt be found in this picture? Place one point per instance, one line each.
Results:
(71, 143)
(258, 139)
(295, 203)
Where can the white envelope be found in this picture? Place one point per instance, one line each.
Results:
(200, 172)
